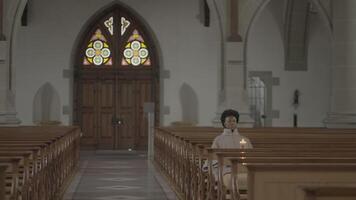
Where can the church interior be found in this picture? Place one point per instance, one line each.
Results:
(125, 100)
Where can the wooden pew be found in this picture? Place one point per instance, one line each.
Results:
(46, 157)
(259, 157)
(179, 152)
(10, 165)
(3, 168)
(305, 172)
(21, 173)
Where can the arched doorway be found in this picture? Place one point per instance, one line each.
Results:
(116, 73)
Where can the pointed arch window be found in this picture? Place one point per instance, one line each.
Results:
(136, 52)
(98, 50)
(116, 40)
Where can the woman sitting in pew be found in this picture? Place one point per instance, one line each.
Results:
(229, 139)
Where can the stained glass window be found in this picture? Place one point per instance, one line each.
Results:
(110, 25)
(136, 52)
(116, 40)
(124, 25)
(97, 51)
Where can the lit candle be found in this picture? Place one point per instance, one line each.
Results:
(242, 143)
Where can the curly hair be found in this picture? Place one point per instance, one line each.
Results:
(228, 113)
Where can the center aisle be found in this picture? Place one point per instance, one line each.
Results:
(111, 175)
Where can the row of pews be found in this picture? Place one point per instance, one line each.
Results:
(36, 163)
(285, 164)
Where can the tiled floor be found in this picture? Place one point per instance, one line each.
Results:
(112, 175)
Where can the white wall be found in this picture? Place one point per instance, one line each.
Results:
(189, 51)
(344, 61)
(265, 52)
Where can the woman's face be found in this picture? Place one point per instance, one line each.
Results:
(230, 122)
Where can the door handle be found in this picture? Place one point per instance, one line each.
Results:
(116, 121)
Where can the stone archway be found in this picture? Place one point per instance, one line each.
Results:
(117, 71)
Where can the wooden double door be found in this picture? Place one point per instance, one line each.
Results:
(109, 108)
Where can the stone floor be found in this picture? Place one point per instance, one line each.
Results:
(117, 175)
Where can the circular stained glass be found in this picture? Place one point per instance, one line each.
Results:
(135, 45)
(136, 61)
(143, 53)
(105, 52)
(90, 52)
(98, 45)
(128, 53)
(98, 60)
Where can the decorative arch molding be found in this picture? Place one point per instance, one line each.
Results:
(101, 12)
(254, 8)
(160, 72)
(116, 72)
(326, 17)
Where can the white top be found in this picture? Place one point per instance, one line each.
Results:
(231, 140)
(228, 140)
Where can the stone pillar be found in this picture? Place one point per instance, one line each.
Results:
(7, 100)
(236, 91)
(236, 96)
(343, 94)
(7, 109)
(233, 93)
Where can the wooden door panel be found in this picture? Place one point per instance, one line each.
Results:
(126, 131)
(106, 129)
(144, 94)
(104, 100)
(106, 94)
(88, 125)
(106, 111)
(88, 94)
(126, 113)
(87, 111)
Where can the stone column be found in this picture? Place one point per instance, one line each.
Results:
(236, 91)
(233, 94)
(7, 106)
(343, 93)
(7, 109)
(7, 100)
